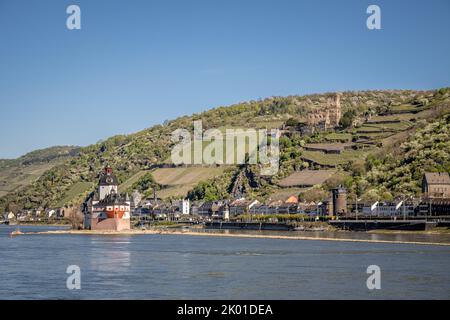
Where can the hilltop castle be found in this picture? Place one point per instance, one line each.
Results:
(325, 118)
(108, 209)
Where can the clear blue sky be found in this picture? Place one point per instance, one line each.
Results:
(136, 63)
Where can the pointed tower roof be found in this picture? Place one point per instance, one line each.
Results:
(108, 178)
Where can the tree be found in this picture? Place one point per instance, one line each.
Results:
(291, 122)
(145, 183)
(347, 118)
(204, 191)
(75, 219)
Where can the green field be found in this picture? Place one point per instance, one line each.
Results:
(368, 128)
(396, 126)
(407, 108)
(184, 176)
(227, 152)
(400, 117)
(338, 136)
(377, 135)
(175, 192)
(179, 181)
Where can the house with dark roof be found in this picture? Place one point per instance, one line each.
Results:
(210, 209)
(241, 206)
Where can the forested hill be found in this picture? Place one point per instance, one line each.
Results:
(70, 181)
(16, 174)
(42, 155)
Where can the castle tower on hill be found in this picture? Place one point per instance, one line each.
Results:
(108, 209)
(334, 110)
(326, 118)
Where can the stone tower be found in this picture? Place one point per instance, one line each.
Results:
(335, 110)
(339, 201)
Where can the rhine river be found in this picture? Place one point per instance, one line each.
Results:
(196, 267)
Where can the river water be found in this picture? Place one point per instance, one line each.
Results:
(192, 267)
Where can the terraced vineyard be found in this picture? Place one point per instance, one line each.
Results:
(334, 160)
(179, 181)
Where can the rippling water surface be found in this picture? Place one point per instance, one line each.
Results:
(190, 267)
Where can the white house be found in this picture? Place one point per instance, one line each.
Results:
(185, 206)
(51, 213)
(389, 209)
(9, 216)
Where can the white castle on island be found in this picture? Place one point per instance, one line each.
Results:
(108, 209)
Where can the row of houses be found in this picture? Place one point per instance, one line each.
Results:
(225, 210)
(435, 202)
(39, 214)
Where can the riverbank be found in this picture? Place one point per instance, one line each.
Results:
(178, 232)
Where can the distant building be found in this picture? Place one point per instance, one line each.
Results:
(142, 211)
(136, 199)
(195, 208)
(436, 184)
(241, 206)
(108, 210)
(51, 213)
(327, 118)
(434, 207)
(226, 212)
(287, 208)
(9, 216)
(326, 208)
(292, 199)
(308, 208)
(262, 209)
(184, 206)
(389, 209)
(339, 201)
(210, 209)
(161, 211)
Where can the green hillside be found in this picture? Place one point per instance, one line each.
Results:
(73, 175)
(18, 173)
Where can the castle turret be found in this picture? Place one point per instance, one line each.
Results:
(108, 183)
(339, 201)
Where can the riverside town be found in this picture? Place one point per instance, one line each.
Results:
(225, 159)
(324, 163)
